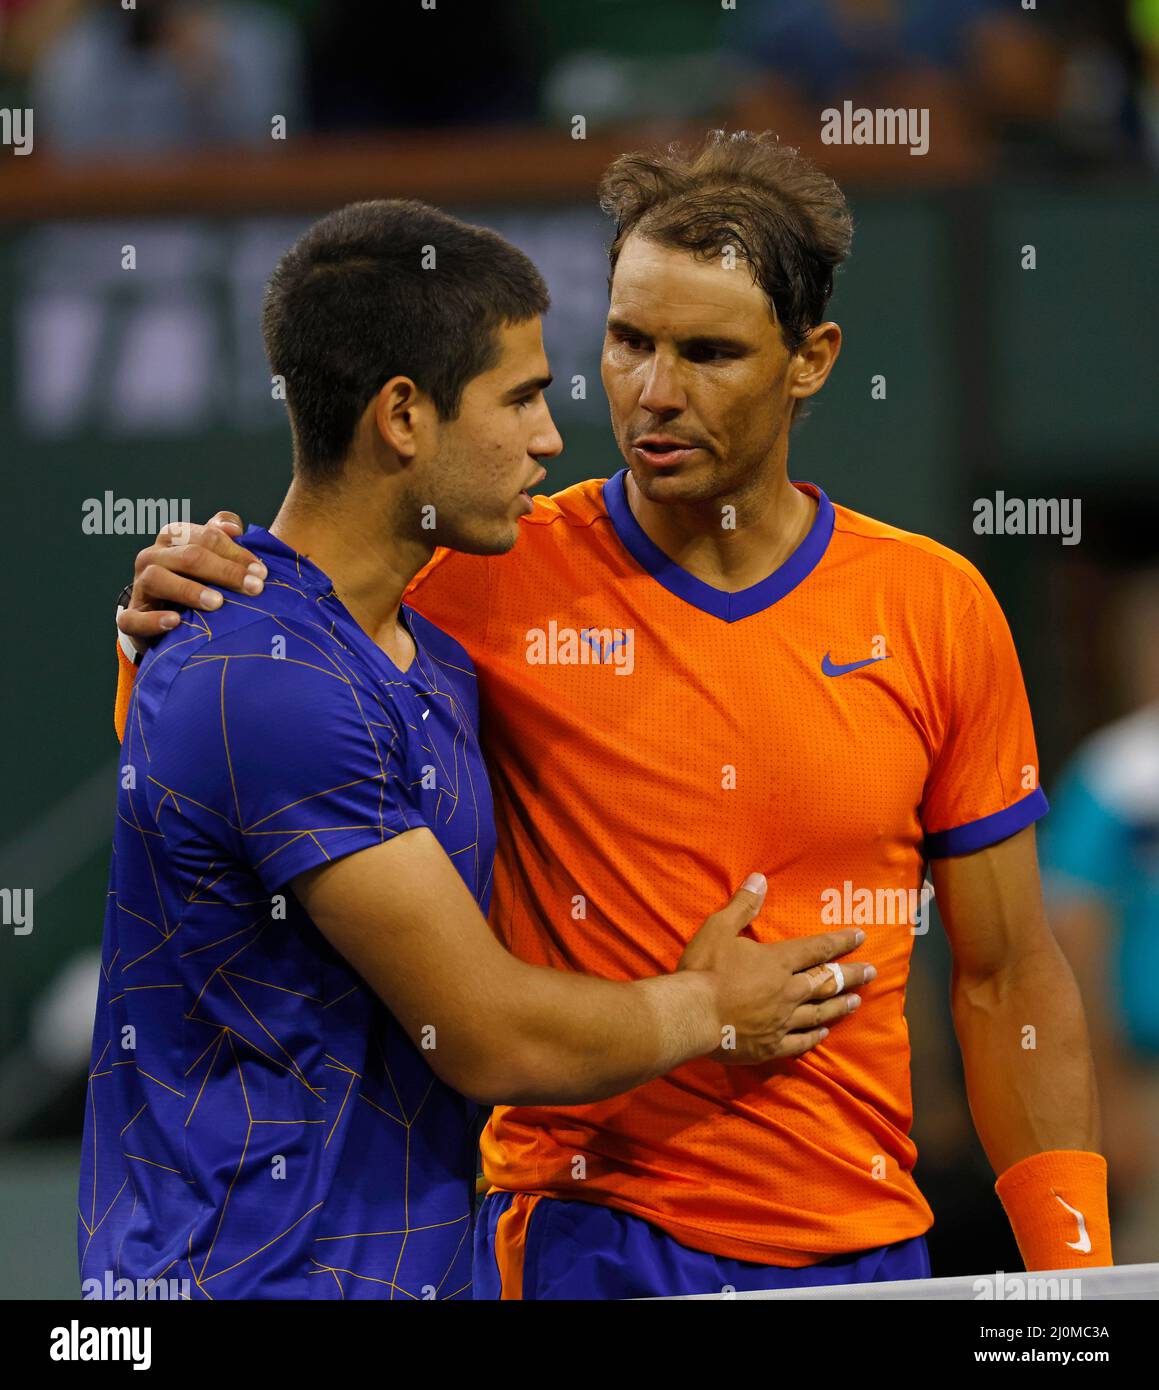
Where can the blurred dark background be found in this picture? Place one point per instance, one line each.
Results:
(206, 136)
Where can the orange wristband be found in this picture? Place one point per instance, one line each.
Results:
(1056, 1203)
(126, 675)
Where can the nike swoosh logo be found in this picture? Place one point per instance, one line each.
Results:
(830, 669)
(1083, 1244)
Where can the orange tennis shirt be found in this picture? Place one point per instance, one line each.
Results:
(652, 740)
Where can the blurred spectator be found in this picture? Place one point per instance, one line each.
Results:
(171, 75)
(827, 50)
(1099, 117)
(1100, 857)
(1040, 85)
(26, 26)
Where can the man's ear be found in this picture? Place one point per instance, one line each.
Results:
(396, 412)
(814, 360)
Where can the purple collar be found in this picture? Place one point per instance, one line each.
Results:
(717, 602)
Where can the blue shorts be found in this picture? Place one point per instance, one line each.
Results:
(551, 1248)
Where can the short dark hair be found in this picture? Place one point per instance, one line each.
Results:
(787, 219)
(350, 305)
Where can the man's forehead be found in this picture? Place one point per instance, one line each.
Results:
(520, 365)
(520, 346)
(682, 290)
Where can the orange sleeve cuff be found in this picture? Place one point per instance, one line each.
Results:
(1056, 1203)
(126, 675)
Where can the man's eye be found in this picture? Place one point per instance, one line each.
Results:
(630, 340)
(711, 354)
(525, 401)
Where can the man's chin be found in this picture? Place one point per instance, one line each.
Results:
(679, 483)
(492, 540)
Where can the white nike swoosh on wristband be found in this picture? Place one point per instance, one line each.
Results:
(1083, 1244)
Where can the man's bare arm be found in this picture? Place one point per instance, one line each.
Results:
(503, 1031)
(1016, 1007)
(1083, 926)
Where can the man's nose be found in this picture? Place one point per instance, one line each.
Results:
(662, 393)
(547, 443)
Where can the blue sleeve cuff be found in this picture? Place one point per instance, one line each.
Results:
(307, 850)
(979, 834)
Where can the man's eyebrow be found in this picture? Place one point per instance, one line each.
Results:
(699, 340)
(716, 340)
(528, 387)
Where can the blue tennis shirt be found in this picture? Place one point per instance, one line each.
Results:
(258, 1124)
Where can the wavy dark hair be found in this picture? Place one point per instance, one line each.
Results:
(786, 218)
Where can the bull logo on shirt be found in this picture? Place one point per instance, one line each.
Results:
(585, 646)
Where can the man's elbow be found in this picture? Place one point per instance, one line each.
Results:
(988, 984)
(512, 1074)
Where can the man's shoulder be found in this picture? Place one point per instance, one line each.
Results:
(565, 517)
(276, 656)
(918, 560)
(244, 626)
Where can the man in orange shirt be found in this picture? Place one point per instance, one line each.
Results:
(698, 665)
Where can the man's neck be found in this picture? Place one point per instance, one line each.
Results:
(731, 550)
(348, 537)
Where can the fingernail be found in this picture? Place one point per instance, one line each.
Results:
(755, 883)
(257, 568)
(210, 598)
(854, 1002)
(871, 972)
(252, 584)
(170, 620)
(859, 938)
(824, 1032)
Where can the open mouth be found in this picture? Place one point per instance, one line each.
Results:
(662, 453)
(525, 496)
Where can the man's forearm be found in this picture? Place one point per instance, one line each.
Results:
(1029, 1076)
(575, 1039)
